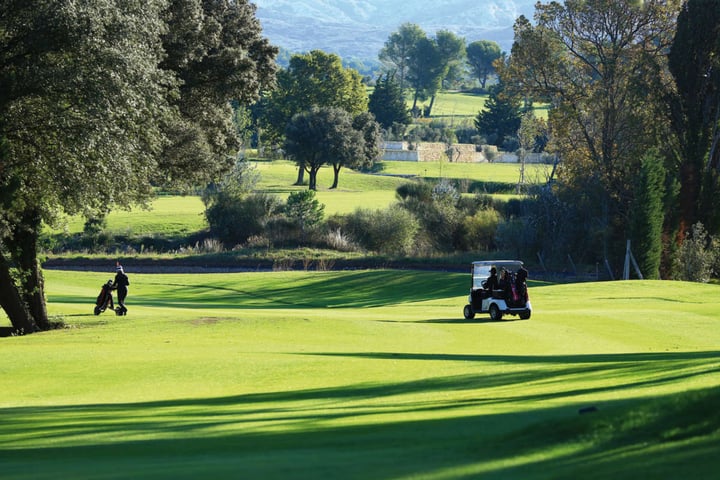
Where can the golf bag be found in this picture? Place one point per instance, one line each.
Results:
(104, 299)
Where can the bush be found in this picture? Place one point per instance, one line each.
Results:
(697, 256)
(305, 210)
(385, 231)
(233, 219)
(421, 191)
(480, 230)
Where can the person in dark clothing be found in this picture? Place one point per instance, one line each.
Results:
(492, 282)
(121, 284)
(520, 283)
(504, 283)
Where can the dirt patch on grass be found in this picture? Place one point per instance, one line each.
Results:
(205, 321)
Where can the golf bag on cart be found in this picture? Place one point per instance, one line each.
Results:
(104, 299)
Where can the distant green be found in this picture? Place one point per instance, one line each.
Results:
(178, 216)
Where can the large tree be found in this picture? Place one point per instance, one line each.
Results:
(321, 136)
(426, 70)
(399, 49)
(481, 57)
(451, 49)
(216, 50)
(600, 62)
(313, 79)
(87, 111)
(694, 61)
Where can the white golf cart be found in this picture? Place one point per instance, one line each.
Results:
(512, 300)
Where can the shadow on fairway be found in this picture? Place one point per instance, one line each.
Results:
(282, 435)
(461, 320)
(353, 289)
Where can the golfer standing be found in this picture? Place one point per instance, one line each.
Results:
(121, 284)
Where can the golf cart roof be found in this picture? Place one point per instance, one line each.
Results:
(498, 263)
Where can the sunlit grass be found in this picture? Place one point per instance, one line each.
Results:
(362, 374)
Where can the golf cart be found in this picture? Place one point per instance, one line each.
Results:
(511, 298)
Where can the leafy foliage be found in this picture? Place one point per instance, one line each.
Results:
(99, 101)
(316, 79)
(385, 231)
(647, 215)
(694, 62)
(698, 255)
(481, 56)
(601, 64)
(387, 103)
(501, 117)
(305, 210)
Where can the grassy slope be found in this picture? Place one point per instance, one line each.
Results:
(363, 374)
(176, 216)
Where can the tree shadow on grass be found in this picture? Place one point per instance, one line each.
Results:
(357, 289)
(311, 434)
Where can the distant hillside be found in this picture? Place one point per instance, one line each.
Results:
(359, 28)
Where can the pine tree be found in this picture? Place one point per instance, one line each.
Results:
(387, 103)
(501, 117)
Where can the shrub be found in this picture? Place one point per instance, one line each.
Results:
(421, 191)
(337, 240)
(385, 231)
(234, 219)
(696, 256)
(480, 230)
(305, 210)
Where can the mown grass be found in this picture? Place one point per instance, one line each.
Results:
(362, 374)
(457, 107)
(175, 216)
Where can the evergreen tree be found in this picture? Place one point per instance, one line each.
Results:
(480, 57)
(501, 117)
(387, 103)
(694, 62)
(647, 215)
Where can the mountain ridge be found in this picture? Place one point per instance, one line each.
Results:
(359, 28)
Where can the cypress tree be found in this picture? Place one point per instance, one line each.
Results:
(647, 215)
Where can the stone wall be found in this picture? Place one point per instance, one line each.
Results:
(462, 153)
(430, 152)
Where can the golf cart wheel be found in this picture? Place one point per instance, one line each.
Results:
(468, 312)
(525, 315)
(97, 310)
(495, 313)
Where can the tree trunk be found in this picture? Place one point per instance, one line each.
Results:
(23, 295)
(11, 301)
(429, 110)
(336, 172)
(414, 106)
(689, 195)
(312, 185)
(301, 175)
(33, 283)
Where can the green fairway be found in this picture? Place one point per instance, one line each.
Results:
(362, 374)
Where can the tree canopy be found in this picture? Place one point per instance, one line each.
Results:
(481, 56)
(99, 101)
(330, 135)
(600, 63)
(399, 49)
(694, 62)
(387, 103)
